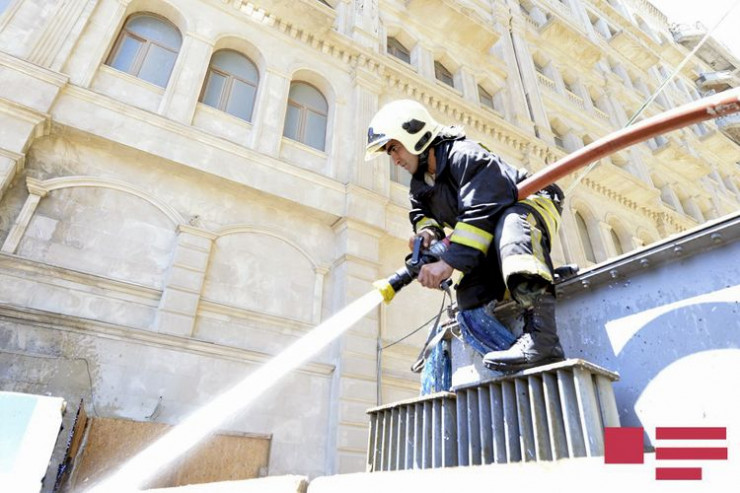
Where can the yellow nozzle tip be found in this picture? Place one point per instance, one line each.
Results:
(385, 288)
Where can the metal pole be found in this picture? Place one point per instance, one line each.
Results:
(724, 103)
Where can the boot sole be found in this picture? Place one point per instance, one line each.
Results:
(516, 367)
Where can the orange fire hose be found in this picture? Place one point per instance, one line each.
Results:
(715, 106)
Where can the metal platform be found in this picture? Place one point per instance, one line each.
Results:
(546, 413)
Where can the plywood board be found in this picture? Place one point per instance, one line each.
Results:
(110, 442)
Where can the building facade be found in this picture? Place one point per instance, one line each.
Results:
(183, 192)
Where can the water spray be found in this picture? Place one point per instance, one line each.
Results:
(139, 470)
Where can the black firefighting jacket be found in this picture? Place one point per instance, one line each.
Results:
(472, 187)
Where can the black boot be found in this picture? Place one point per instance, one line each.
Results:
(538, 345)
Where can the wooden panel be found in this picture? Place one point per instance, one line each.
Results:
(111, 442)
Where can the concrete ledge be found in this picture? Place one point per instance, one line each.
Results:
(586, 475)
(272, 484)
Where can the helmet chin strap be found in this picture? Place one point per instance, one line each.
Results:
(423, 164)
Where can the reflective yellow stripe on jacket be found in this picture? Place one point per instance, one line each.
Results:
(547, 210)
(427, 222)
(473, 237)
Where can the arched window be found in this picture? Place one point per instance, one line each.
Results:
(307, 115)
(147, 48)
(231, 84)
(588, 248)
(617, 242)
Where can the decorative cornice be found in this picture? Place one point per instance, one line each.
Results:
(293, 326)
(461, 111)
(656, 214)
(39, 271)
(133, 335)
(354, 57)
(33, 70)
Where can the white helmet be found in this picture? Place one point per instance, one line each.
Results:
(406, 121)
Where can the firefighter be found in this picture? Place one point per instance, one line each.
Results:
(497, 242)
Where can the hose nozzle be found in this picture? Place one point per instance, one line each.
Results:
(386, 290)
(406, 274)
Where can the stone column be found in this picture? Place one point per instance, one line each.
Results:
(366, 23)
(469, 86)
(105, 23)
(617, 109)
(600, 240)
(186, 81)
(10, 163)
(637, 166)
(354, 382)
(373, 175)
(269, 116)
(423, 58)
(579, 8)
(557, 76)
(530, 85)
(318, 294)
(184, 284)
(517, 90)
(568, 235)
(36, 193)
(714, 174)
(60, 33)
(733, 188)
(692, 209)
(669, 196)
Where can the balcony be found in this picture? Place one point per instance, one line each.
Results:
(679, 158)
(717, 81)
(633, 49)
(688, 35)
(730, 126)
(560, 31)
(568, 103)
(467, 23)
(304, 14)
(624, 183)
(712, 51)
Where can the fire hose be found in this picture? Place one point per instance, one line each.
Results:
(715, 106)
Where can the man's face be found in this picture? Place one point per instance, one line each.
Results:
(401, 157)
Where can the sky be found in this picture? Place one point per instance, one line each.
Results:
(708, 12)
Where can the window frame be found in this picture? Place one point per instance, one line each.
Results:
(140, 56)
(302, 117)
(489, 97)
(225, 95)
(439, 67)
(391, 48)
